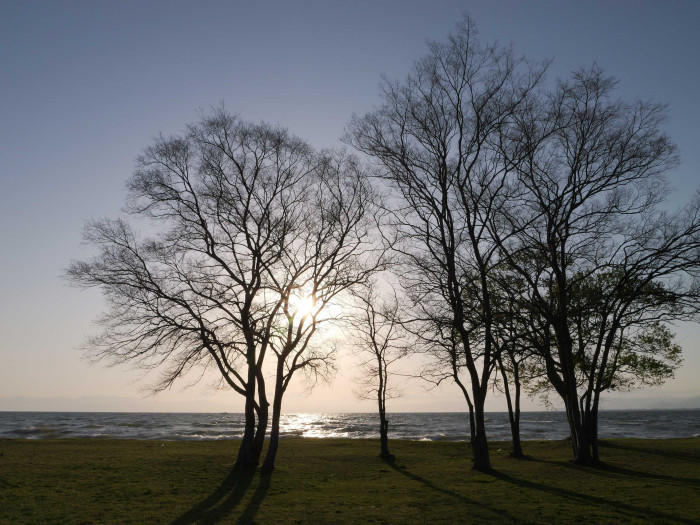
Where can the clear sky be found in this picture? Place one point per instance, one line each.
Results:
(84, 86)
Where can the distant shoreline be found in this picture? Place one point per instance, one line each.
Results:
(334, 413)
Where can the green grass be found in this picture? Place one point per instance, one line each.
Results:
(336, 481)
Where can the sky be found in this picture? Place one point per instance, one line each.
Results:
(85, 86)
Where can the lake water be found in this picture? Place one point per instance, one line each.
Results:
(416, 426)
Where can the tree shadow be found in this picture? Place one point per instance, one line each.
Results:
(606, 468)
(224, 499)
(611, 471)
(456, 495)
(256, 499)
(685, 456)
(5, 484)
(638, 513)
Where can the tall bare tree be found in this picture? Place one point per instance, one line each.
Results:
(233, 207)
(598, 254)
(333, 250)
(433, 136)
(381, 337)
(512, 329)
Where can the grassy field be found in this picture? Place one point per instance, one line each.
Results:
(336, 481)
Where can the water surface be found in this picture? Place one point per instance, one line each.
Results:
(449, 426)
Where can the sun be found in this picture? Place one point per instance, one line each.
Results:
(305, 306)
(302, 306)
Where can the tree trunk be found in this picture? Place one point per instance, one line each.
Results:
(513, 413)
(269, 463)
(261, 429)
(263, 412)
(582, 443)
(246, 452)
(580, 434)
(517, 444)
(593, 425)
(383, 427)
(594, 441)
(469, 404)
(584, 454)
(384, 437)
(480, 447)
(381, 407)
(472, 423)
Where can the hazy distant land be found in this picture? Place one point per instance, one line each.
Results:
(153, 404)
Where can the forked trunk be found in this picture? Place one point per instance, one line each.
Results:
(263, 416)
(517, 451)
(472, 425)
(247, 456)
(261, 429)
(580, 431)
(513, 412)
(583, 455)
(480, 448)
(269, 463)
(581, 437)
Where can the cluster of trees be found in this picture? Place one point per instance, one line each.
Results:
(524, 223)
(255, 235)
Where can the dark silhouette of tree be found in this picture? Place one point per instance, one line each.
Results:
(332, 250)
(600, 258)
(380, 335)
(617, 346)
(512, 326)
(244, 218)
(433, 136)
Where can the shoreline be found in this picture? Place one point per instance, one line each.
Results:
(329, 439)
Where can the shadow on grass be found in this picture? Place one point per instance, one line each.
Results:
(6, 484)
(224, 499)
(612, 471)
(639, 474)
(632, 511)
(255, 500)
(685, 456)
(504, 515)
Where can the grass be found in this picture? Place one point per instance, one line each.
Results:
(337, 481)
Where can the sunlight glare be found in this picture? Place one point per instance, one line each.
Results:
(302, 306)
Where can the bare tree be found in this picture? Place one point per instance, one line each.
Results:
(333, 250)
(380, 336)
(232, 204)
(434, 138)
(596, 252)
(512, 328)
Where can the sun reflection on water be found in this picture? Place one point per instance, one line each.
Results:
(311, 426)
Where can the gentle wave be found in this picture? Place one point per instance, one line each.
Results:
(413, 426)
